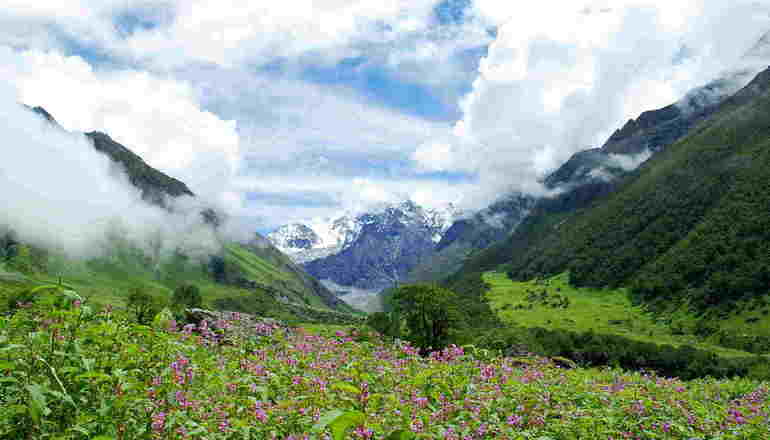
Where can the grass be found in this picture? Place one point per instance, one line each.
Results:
(605, 311)
(110, 278)
(326, 330)
(253, 266)
(260, 270)
(748, 318)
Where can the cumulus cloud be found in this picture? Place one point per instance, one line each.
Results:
(230, 32)
(311, 150)
(351, 196)
(402, 36)
(558, 77)
(60, 193)
(561, 76)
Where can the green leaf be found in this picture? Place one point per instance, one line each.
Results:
(423, 377)
(346, 421)
(37, 289)
(38, 407)
(400, 435)
(72, 295)
(326, 419)
(11, 347)
(96, 376)
(162, 320)
(342, 386)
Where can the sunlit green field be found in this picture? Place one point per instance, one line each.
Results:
(552, 303)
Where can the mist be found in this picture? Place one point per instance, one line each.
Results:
(59, 193)
(561, 78)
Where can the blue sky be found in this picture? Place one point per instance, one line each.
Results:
(371, 75)
(308, 108)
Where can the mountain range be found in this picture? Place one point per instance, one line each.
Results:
(358, 255)
(652, 209)
(371, 250)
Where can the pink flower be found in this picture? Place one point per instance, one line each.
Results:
(158, 422)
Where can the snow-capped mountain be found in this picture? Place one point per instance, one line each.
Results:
(321, 238)
(385, 245)
(316, 239)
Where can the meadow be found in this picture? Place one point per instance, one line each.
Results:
(71, 371)
(555, 304)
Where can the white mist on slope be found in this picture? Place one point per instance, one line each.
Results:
(57, 191)
(561, 76)
(362, 299)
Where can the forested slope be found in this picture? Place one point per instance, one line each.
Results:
(692, 224)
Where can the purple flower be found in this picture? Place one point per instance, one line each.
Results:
(159, 422)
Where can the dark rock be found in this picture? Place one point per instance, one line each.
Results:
(389, 244)
(155, 186)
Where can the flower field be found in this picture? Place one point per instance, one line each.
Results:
(72, 373)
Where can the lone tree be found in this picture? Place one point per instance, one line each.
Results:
(429, 312)
(143, 305)
(187, 295)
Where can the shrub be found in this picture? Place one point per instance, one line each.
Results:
(143, 306)
(187, 295)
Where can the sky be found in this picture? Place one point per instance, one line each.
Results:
(285, 111)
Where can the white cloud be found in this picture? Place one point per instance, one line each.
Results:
(434, 156)
(630, 162)
(354, 195)
(58, 192)
(561, 76)
(159, 118)
(322, 144)
(399, 35)
(231, 32)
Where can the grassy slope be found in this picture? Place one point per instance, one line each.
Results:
(109, 280)
(605, 311)
(253, 277)
(689, 232)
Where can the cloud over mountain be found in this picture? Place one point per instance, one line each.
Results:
(308, 108)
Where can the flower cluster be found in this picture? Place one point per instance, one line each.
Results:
(197, 384)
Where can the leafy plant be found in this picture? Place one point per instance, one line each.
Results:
(67, 374)
(143, 306)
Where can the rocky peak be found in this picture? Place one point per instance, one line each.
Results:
(295, 235)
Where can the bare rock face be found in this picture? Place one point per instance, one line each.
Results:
(388, 244)
(369, 251)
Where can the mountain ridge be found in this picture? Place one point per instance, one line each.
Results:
(370, 250)
(689, 227)
(240, 276)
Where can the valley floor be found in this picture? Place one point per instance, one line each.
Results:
(554, 304)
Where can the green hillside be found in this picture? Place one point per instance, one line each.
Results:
(555, 304)
(253, 277)
(674, 253)
(239, 279)
(692, 226)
